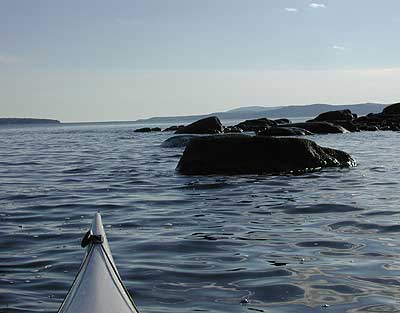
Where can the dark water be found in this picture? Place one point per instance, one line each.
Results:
(322, 242)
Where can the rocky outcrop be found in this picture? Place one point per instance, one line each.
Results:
(331, 116)
(173, 128)
(209, 125)
(147, 130)
(232, 130)
(348, 125)
(389, 119)
(342, 118)
(282, 121)
(284, 131)
(256, 125)
(318, 127)
(241, 154)
(393, 109)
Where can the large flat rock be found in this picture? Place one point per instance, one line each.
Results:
(241, 154)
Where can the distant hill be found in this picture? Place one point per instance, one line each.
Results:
(309, 110)
(27, 121)
(252, 109)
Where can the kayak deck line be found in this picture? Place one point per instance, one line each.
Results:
(97, 287)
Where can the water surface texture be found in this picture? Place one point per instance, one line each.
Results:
(322, 242)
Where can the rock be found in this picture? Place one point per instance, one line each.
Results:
(284, 131)
(209, 125)
(282, 121)
(393, 109)
(177, 141)
(241, 154)
(256, 125)
(371, 128)
(173, 128)
(379, 121)
(143, 130)
(340, 115)
(147, 130)
(318, 127)
(348, 125)
(342, 118)
(232, 130)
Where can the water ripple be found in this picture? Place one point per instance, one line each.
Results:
(319, 242)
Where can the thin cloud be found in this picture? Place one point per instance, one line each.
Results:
(317, 5)
(6, 59)
(341, 48)
(292, 10)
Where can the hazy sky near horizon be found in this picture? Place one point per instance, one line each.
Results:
(98, 60)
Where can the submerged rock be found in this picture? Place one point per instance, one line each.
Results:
(209, 125)
(284, 131)
(241, 154)
(177, 141)
(318, 127)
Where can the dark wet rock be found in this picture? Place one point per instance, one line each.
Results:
(143, 130)
(282, 121)
(241, 154)
(147, 130)
(284, 131)
(393, 109)
(178, 141)
(340, 115)
(342, 118)
(232, 130)
(371, 128)
(256, 125)
(209, 125)
(173, 128)
(318, 127)
(389, 119)
(348, 125)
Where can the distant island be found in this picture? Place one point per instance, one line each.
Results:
(27, 121)
(252, 112)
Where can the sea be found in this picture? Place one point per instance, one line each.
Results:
(325, 241)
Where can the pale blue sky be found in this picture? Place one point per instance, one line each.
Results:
(127, 59)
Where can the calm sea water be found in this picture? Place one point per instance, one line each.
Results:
(322, 242)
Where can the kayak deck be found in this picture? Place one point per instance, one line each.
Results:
(98, 288)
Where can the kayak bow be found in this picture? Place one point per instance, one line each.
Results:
(97, 287)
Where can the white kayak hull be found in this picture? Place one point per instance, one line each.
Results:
(98, 288)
